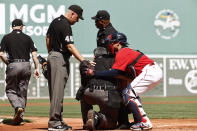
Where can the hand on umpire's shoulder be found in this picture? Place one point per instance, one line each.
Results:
(36, 73)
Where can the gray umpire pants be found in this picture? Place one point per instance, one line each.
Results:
(109, 116)
(58, 72)
(17, 79)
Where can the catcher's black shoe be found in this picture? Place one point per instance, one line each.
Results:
(60, 128)
(17, 117)
(93, 120)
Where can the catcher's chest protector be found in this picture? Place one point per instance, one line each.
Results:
(110, 95)
(104, 63)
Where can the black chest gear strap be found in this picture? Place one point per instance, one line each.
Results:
(136, 60)
(130, 68)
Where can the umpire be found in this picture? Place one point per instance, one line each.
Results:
(18, 46)
(103, 23)
(103, 92)
(60, 45)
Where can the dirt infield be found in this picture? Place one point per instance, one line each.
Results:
(40, 124)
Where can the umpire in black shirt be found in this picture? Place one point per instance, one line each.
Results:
(60, 45)
(102, 22)
(18, 46)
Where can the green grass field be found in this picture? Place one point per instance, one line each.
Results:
(155, 107)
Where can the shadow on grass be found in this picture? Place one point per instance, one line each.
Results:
(9, 121)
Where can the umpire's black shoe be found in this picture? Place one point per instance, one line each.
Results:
(84, 127)
(20, 122)
(64, 124)
(60, 128)
(124, 126)
(93, 120)
(17, 117)
(67, 127)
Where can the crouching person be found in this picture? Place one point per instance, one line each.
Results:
(102, 92)
(143, 73)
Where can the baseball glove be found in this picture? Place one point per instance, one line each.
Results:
(43, 62)
(86, 69)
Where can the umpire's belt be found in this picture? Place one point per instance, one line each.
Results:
(18, 60)
(103, 87)
(66, 56)
(56, 50)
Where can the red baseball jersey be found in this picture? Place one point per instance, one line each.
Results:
(126, 56)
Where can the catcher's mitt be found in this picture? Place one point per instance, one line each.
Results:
(86, 69)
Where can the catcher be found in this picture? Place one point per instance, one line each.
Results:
(146, 73)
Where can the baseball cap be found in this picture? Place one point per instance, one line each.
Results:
(17, 22)
(101, 15)
(78, 10)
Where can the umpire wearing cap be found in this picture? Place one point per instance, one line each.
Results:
(102, 92)
(60, 45)
(18, 46)
(102, 22)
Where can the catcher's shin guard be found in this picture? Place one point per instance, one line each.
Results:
(133, 108)
(128, 94)
(133, 104)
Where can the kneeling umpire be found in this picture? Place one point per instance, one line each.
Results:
(18, 46)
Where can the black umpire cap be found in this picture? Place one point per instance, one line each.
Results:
(78, 10)
(101, 15)
(17, 22)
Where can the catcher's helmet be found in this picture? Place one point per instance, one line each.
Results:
(118, 37)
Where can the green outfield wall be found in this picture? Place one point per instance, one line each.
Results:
(153, 26)
(164, 29)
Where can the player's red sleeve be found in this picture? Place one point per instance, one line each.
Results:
(121, 60)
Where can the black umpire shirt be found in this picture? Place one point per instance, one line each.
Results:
(18, 45)
(60, 34)
(102, 35)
